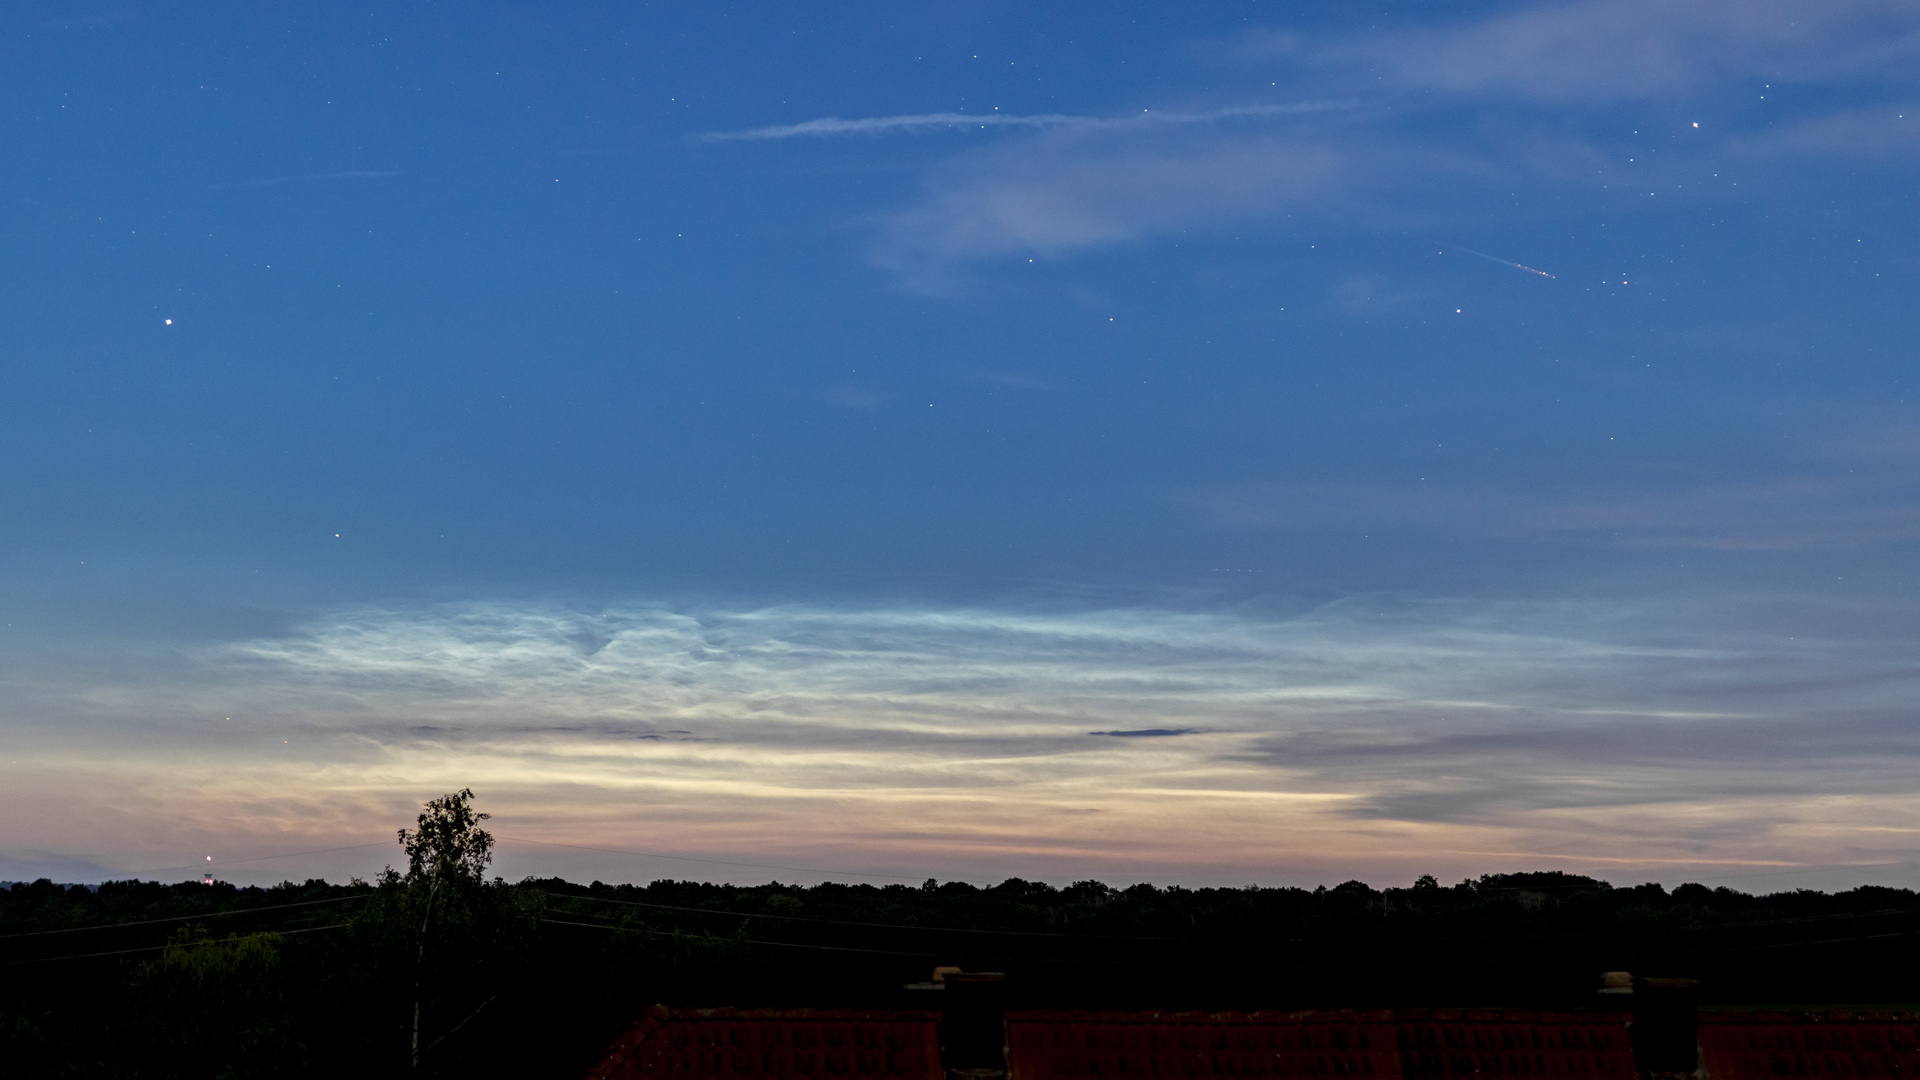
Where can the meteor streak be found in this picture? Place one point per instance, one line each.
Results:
(1493, 258)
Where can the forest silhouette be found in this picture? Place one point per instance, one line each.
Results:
(438, 970)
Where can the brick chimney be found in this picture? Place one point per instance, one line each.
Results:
(973, 1029)
(1666, 1024)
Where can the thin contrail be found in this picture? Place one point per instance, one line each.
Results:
(889, 125)
(882, 125)
(356, 174)
(1494, 258)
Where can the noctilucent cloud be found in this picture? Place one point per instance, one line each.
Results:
(1200, 443)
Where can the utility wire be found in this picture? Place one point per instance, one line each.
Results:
(182, 918)
(900, 926)
(923, 954)
(908, 926)
(1833, 941)
(1197, 940)
(750, 941)
(1129, 963)
(1802, 919)
(157, 948)
(904, 926)
(834, 948)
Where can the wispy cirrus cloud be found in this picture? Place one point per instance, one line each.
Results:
(1099, 188)
(1604, 51)
(1518, 102)
(1086, 182)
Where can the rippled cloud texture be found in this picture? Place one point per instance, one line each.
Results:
(1371, 736)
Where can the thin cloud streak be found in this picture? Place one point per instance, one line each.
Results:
(891, 125)
(352, 174)
(897, 125)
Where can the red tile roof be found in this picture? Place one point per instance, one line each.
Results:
(1382, 1045)
(1756, 1045)
(1404, 1044)
(774, 1044)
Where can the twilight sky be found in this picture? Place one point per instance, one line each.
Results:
(1202, 443)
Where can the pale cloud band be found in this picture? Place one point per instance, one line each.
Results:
(1373, 738)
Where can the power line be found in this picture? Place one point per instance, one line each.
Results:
(1153, 937)
(750, 941)
(901, 926)
(910, 926)
(1836, 940)
(1804, 919)
(1615, 931)
(157, 948)
(923, 954)
(934, 929)
(832, 948)
(182, 918)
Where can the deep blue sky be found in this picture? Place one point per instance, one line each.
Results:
(1582, 324)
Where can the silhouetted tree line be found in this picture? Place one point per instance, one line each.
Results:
(437, 970)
